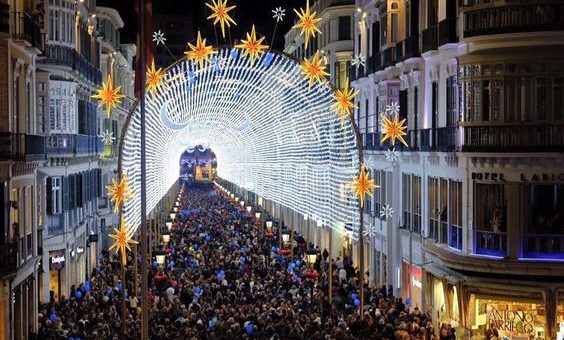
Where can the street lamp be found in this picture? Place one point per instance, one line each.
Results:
(172, 215)
(166, 237)
(285, 236)
(311, 256)
(160, 255)
(168, 224)
(257, 215)
(236, 199)
(242, 203)
(175, 209)
(249, 209)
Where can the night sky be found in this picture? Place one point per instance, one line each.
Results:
(248, 12)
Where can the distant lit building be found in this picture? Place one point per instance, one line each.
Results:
(477, 233)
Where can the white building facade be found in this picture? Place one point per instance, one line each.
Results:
(478, 195)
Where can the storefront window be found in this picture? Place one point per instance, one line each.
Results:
(490, 218)
(508, 318)
(411, 285)
(543, 215)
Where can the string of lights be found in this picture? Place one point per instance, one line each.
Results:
(270, 133)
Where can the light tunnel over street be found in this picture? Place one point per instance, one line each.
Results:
(271, 134)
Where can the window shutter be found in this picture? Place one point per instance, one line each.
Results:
(49, 195)
(79, 189)
(99, 182)
(66, 198)
(72, 192)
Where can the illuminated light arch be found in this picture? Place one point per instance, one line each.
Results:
(271, 135)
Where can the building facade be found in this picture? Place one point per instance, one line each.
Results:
(478, 227)
(53, 164)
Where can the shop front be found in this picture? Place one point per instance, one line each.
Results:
(442, 298)
(57, 274)
(411, 291)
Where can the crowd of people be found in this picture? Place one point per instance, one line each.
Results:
(223, 279)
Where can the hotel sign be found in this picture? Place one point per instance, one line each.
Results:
(521, 322)
(501, 177)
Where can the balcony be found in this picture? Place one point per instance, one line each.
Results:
(513, 138)
(26, 28)
(490, 243)
(389, 56)
(447, 31)
(444, 139)
(528, 16)
(425, 140)
(69, 57)
(374, 63)
(399, 51)
(430, 38)
(69, 144)
(411, 47)
(543, 246)
(21, 147)
(4, 18)
(455, 237)
(8, 259)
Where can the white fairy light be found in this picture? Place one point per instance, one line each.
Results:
(303, 160)
(392, 156)
(159, 37)
(107, 137)
(358, 61)
(386, 211)
(279, 14)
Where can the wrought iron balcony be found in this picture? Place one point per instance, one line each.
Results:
(22, 147)
(430, 39)
(399, 51)
(4, 18)
(389, 56)
(69, 57)
(8, 259)
(68, 144)
(527, 16)
(444, 139)
(513, 138)
(411, 47)
(26, 28)
(447, 31)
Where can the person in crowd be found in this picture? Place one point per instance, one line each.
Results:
(223, 279)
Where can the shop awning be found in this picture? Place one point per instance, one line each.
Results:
(26, 270)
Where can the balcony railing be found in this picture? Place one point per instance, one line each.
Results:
(8, 259)
(425, 140)
(21, 147)
(26, 28)
(490, 243)
(445, 138)
(375, 62)
(399, 51)
(69, 57)
(430, 37)
(389, 56)
(411, 47)
(455, 237)
(528, 16)
(513, 138)
(4, 18)
(447, 31)
(67, 144)
(547, 246)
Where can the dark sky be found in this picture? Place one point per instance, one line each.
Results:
(248, 12)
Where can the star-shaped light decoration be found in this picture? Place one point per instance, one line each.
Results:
(344, 101)
(279, 14)
(119, 192)
(108, 95)
(392, 156)
(314, 70)
(362, 185)
(252, 46)
(221, 14)
(159, 38)
(358, 61)
(108, 137)
(370, 230)
(386, 211)
(393, 129)
(201, 52)
(393, 108)
(155, 78)
(307, 23)
(123, 237)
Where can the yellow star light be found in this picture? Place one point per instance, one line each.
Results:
(362, 185)
(314, 70)
(119, 192)
(393, 129)
(344, 101)
(201, 52)
(221, 14)
(252, 46)
(154, 79)
(108, 95)
(122, 239)
(307, 23)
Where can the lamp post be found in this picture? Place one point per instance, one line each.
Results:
(160, 256)
(168, 224)
(311, 274)
(166, 238)
(172, 215)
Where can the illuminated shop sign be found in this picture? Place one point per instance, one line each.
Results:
(57, 259)
(511, 321)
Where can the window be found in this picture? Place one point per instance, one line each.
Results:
(452, 117)
(341, 73)
(345, 28)
(394, 21)
(541, 98)
(56, 195)
(412, 202)
(490, 218)
(379, 194)
(455, 212)
(557, 95)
